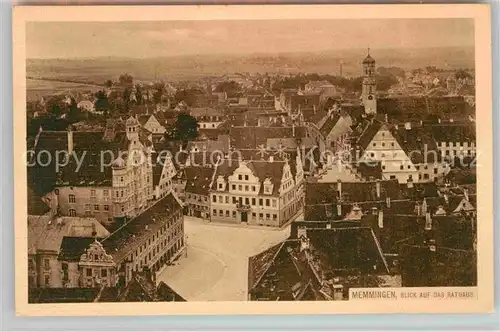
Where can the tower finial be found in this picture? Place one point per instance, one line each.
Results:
(368, 51)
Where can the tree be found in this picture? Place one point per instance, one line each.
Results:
(109, 83)
(102, 103)
(126, 80)
(138, 94)
(185, 128)
(230, 87)
(159, 90)
(189, 96)
(462, 74)
(384, 82)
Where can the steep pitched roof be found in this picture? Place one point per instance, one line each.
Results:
(198, 180)
(72, 248)
(46, 233)
(136, 230)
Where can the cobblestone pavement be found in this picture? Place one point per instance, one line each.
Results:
(215, 267)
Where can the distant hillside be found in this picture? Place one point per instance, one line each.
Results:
(192, 67)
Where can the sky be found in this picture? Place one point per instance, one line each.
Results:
(174, 38)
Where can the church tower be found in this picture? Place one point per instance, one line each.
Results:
(368, 94)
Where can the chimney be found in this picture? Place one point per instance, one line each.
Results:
(339, 209)
(374, 210)
(378, 188)
(94, 231)
(388, 202)
(439, 120)
(293, 129)
(466, 194)
(339, 188)
(271, 159)
(408, 125)
(381, 219)
(396, 127)
(428, 221)
(70, 139)
(386, 118)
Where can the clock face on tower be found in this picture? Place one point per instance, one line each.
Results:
(370, 97)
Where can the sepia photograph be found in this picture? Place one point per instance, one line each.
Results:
(214, 156)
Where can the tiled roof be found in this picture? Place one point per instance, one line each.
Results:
(415, 142)
(46, 233)
(330, 122)
(321, 193)
(252, 137)
(346, 248)
(368, 133)
(36, 207)
(205, 111)
(454, 133)
(72, 248)
(138, 229)
(446, 267)
(198, 180)
(62, 295)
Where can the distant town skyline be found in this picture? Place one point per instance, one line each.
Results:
(67, 40)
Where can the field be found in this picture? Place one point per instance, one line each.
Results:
(37, 88)
(193, 67)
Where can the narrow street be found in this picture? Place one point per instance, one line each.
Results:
(216, 266)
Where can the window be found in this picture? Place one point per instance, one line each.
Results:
(401, 167)
(227, 213)
(105, 192)
(253, 201)
(227, 199)
(234, 214)
(240, 177)
(261, 216)
(214, 198)
(46, 264)
(47, 280)
(106, 207)
(253, 188)
(435, 170)
(409, 166)
(261, 202)
(92, 193)
(275, 217)
(372, 154)
(274, 203)
(267, 216)
(220, 186)
(72, 212)
(246, 177)
(426, 176)
(71, 198)
(220, 199)
(246, 188)
(221, 213)
(121, 178)
(254, 215)
(234, 200)
(240, 187)
(374, 144)
(393, 177)
(234, 187)
(383, 144)
(89, 272)
(96, 207)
